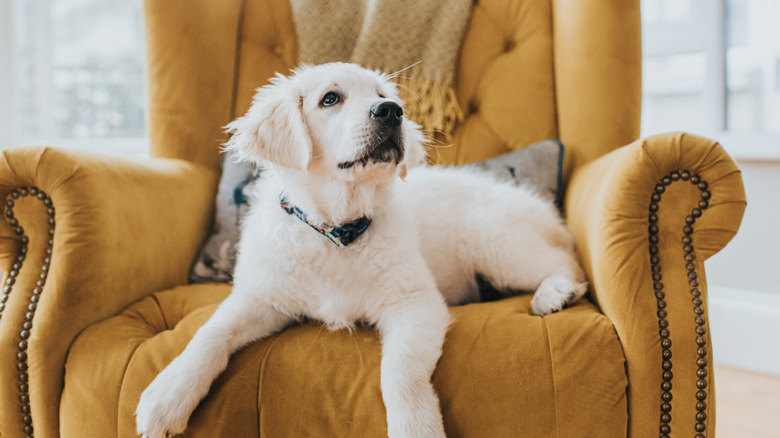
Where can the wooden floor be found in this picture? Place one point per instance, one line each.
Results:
(747, 404)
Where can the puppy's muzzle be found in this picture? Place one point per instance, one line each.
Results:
(386, 144)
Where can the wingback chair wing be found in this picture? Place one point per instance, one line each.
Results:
(96, 248)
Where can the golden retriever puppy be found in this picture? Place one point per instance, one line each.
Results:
(335, 233)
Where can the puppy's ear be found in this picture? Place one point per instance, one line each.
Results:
(273, 129)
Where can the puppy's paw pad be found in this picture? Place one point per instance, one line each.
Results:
(553, 295)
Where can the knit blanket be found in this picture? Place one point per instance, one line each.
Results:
(416, 42)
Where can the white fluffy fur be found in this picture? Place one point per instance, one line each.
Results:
(431, 234)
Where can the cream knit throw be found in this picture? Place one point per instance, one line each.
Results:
(391, 35)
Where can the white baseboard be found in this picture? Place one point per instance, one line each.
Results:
(745, 326)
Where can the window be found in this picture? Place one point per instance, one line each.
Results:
(712, 67)
(75, 75)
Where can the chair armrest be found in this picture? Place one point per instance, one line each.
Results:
(85, 235)
(645, 217)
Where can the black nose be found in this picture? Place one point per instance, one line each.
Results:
(387, 113)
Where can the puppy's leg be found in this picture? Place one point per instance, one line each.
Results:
(167, 403)
(553, 272)
(413, 333)
(556, 293)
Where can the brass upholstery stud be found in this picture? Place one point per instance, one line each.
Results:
(21, 356)
(693, 281)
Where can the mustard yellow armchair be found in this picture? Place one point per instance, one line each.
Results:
(96, 248)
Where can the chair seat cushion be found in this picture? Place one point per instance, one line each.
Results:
(503, 373)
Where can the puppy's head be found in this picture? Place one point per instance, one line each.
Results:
(335, 120)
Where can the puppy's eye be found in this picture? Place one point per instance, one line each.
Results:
(381, 95)
(330, 99)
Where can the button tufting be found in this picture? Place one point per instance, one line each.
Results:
(509, 45)
(473, 107)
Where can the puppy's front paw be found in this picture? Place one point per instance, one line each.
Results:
(555, 294)
(165, 406)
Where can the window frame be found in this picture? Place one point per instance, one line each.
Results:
(740, 145)
(753, 146)
(6, 72)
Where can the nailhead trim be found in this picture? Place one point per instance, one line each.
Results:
(24, 334)
(693, 282)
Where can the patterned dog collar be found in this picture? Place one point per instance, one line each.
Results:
(341, 236)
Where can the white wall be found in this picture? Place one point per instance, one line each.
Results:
(744, 278)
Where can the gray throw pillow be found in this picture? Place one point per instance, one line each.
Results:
(218, 256)
(538, 166)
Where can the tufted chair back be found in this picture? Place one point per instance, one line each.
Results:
(529, 70)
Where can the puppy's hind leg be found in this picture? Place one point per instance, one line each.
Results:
(167, 403)
(412, 333)
(556, 293)
(552, 272)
